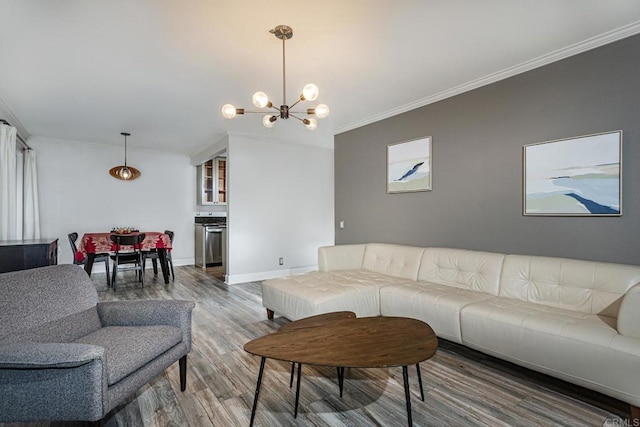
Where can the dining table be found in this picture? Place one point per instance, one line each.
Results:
(97, 243)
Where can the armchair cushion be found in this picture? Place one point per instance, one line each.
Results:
(128, 348)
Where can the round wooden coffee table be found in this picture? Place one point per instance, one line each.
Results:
(349, 342)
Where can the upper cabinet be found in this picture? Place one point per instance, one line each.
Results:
(212, 182)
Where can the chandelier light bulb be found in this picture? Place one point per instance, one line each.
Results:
(312, 124)
(125, 173)
(260, 99)
(228, 111)
(322, 111)
(310, 92)
(267, 121)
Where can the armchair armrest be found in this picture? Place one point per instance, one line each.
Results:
(629, 313)
(48, 355)
(148, 313)
(52, 381)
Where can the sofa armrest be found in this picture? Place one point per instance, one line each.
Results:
(341, 257)
(629, 313)
(148, 313)
(52, 381)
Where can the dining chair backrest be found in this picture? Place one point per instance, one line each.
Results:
(128, 240)
(72, 241)
(170, 234)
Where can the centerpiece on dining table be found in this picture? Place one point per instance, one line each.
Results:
(124, 230)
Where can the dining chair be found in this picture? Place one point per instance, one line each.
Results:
(99, 257)
(134, 256)
(153, 256)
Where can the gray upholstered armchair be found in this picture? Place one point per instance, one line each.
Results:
(64, 356)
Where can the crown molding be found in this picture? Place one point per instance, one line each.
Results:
(557, 55)
(7, 114)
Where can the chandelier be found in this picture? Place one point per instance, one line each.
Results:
(124, 172)
(261, 100)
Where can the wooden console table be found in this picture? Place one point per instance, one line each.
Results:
(25, 254)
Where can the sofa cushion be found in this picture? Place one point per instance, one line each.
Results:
(582, 348)
(473, 270)
(584, 286)
(438, 305)
(319, 292)
(128, 348)
(393, 260)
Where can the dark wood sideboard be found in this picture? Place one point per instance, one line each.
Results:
(25, 254)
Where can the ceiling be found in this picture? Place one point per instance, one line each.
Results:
(87, 70)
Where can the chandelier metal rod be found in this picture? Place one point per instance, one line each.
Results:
(284, 74)
(296, 117)
(295, 103)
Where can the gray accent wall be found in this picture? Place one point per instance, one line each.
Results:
(476, 201)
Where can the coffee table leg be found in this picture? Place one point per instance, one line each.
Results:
(340, 378)
(255, 399)
(295, 412)
(407, 395)
(420, 381)
(293, 366)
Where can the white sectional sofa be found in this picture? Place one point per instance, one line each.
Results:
(571, 319)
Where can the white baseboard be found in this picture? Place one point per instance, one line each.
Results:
(264, 275)
(98, 268)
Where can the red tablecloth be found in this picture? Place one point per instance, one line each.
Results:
(95, 243)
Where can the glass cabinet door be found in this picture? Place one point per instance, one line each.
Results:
(212, 180)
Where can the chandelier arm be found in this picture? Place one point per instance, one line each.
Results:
(296, 117)
(257, 112)
(296, 103)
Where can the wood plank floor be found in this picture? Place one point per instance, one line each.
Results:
(462, 387)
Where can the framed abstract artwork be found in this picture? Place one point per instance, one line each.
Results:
(409, 166)
(579, 176)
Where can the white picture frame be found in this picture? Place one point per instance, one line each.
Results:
(409, 166)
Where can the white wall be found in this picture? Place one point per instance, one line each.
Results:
(280, 205)
(280, 200)
(78, 194)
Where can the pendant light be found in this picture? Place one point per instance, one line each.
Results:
(124, 172)
(261, 100)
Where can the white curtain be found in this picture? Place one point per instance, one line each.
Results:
(31, 213)
(8, 184)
